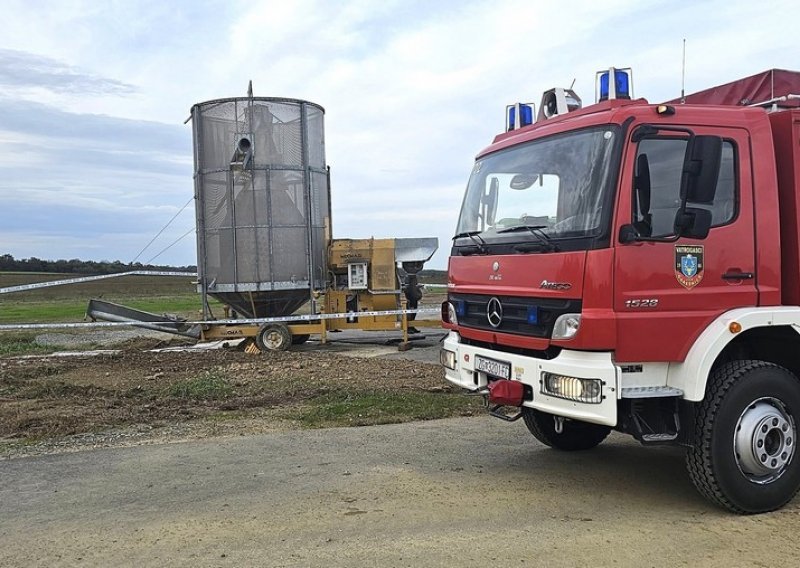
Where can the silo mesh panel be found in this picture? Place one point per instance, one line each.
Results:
(217, 139)
(245, 196)
(287, 198)
(224, 111)
(263, 241)
(214, 197)
(319, 201)
(288, 245)
(319, 255)
(247, 248)
(220, 255)
(261, 199)
(277, 133)
(256, 231)
(316, 138)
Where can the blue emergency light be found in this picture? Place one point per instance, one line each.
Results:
(525, 114)
(621, 88)
(533, 315)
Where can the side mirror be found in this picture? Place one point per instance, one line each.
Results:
(628, 234)
(693, 222)
(642, 184)
(701, 169)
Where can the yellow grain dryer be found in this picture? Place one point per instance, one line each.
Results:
(365, 276)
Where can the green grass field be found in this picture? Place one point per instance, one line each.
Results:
(157, 294)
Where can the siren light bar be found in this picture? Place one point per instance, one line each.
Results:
(611, 84)
(621, 87)
(524, 111)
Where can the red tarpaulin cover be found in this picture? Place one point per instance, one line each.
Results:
(758, 88)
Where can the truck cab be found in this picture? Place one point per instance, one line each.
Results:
(619, 266)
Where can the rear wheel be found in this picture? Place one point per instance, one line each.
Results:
(574, 436)
(273, 337)
(743, 454)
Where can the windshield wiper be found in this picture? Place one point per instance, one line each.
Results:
(475, 237)
(536, 231)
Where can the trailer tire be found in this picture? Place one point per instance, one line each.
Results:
(743, 454)
(273, 337)
(576, 435)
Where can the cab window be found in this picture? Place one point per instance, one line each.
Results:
(657, 182)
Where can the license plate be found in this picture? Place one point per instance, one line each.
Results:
(494, 368)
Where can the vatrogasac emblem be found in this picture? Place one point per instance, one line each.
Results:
(689, 265)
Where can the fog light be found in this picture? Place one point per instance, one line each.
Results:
(572, 388)
(566, 326)
(447, 358)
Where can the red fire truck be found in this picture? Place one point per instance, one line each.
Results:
(636, 267)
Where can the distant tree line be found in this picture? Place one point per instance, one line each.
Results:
(433, 276)
(75, 266)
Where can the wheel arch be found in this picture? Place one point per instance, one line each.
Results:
(768, 334)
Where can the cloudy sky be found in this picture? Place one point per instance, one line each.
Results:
(95, 158)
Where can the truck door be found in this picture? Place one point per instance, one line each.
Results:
(666, 293)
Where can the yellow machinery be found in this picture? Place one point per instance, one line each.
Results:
(364, 275)
(264, 246)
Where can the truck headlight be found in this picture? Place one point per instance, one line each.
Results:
(452, 316)
(447, 358)
(566, 326)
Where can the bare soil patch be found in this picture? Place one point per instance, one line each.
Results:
(44, 399)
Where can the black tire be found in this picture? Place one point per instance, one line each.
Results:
(273, 337)
(575, 436)
(742, 457)
(300, 338)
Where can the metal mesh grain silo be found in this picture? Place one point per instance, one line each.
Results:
(262, 200)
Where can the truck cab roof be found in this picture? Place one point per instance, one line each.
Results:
(620, 111)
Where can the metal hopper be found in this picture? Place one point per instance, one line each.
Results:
(262, 203)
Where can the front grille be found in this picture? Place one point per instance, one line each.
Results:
(547, 354)
(515, 313)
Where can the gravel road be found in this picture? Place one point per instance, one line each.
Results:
(458, 492)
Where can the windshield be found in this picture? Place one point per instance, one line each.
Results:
(553, 187)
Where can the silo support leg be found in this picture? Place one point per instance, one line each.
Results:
(404, 345)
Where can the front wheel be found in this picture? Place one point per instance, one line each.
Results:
(743, 454)
(574, 436)
(274, 337)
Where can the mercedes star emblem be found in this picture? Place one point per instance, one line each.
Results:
(496, 266)
(494, 312)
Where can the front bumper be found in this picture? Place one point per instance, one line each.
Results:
(528, 370)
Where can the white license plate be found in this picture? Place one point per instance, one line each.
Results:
(493, 368)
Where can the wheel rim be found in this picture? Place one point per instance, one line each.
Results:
(272, 339)
(764, 440)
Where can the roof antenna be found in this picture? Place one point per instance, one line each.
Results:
(683, 74)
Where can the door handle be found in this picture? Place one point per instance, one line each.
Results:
(738, 275)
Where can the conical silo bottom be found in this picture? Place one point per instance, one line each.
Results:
(263, 304)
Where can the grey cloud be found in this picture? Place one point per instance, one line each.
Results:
(23, 70)
(81, 180)
(103, 156)
(106, 132)
(63, 217)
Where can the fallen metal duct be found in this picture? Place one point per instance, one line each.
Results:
(108, 311)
